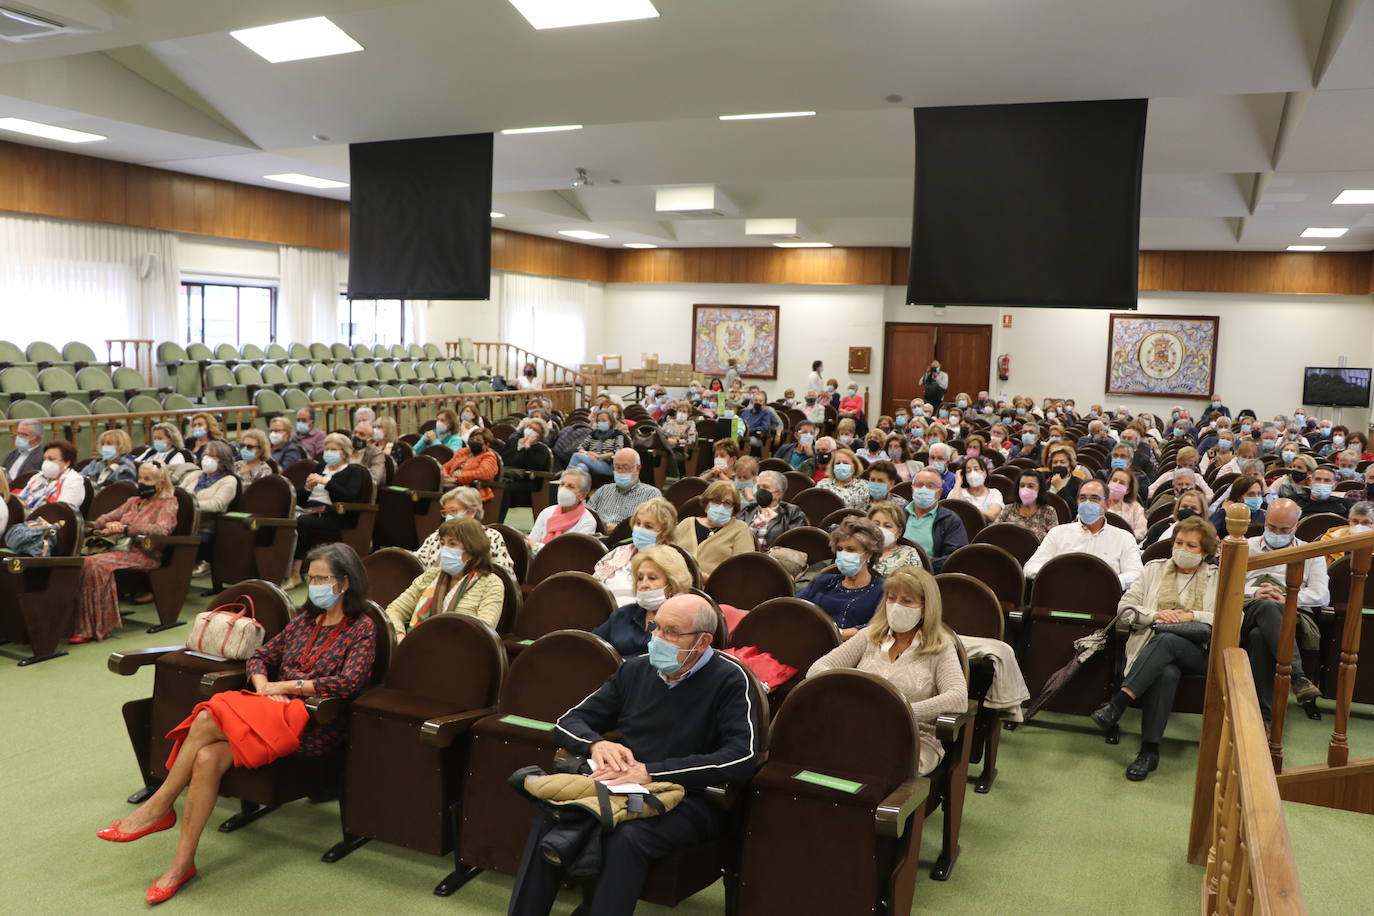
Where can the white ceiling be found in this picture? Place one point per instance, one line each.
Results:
(1261, 110)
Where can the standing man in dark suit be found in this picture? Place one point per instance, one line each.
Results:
(26, 456)
(936, 383)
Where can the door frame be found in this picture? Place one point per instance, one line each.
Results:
(888, 381)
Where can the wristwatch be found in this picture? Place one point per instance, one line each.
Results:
(300, 686)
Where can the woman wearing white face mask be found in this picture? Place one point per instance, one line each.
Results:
(55, 480)
(570, 513)
(463, 583)
(907, 644)
(214, 486)
(334, 480)
(464, 502)
(717, 537)
(659, 573)
(970, 485)
(842, 479)
(1361, 522)
(891, 520)
(1178, 590)
(286, 451)
(114, 462)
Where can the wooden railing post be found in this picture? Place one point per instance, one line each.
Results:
(1283, 660)
(1225, 635)
(1338, 752)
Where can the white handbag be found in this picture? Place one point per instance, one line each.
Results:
(230, 631)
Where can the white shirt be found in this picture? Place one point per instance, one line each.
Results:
(320, 494)
(584, 525)
(13, 470)
(525, 384)
(815, 383)
(1112, 545)
(1316, 588)
(992, 497)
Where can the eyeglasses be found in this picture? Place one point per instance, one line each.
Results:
(671, 634)
(1277, 530)
(319, 580)
(1090, 498)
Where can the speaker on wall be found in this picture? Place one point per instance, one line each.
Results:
(1033, 204)
(420, 218)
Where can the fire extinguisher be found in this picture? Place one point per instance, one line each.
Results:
(1004, 367)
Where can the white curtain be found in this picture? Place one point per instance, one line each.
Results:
(308, 302)
(546, 315)
(417, 322)
(62, 281)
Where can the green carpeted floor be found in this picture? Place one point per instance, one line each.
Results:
(1062, 830)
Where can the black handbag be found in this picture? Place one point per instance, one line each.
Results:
(1193, 631)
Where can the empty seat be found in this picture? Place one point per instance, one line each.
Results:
(746, 580)
(565, 600)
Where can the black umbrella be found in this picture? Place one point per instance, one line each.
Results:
(1084, 648)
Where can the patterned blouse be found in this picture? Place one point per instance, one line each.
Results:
(901, 555)
(156, 516)
(342, 669)
(1041, 522)
(251, 472)
(853, 492)
(684, 431)
(428, 554)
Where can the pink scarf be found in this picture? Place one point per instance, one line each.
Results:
(561, 521)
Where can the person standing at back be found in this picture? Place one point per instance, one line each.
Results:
(816, 381)
(936, 383)
(732, 376)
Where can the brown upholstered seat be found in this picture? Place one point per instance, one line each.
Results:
(1061, 508)
(816, 504)
(416, 725)
(1159, 550)
(563, 601)
(971, 609)
(1073, 595)
(1313, 527)
(408, 508)
(112, 497)
(389, 573)
(812, 541)
(1020, 542)
(1339, 576)
(996, 568)
(793, 631)
(256, 538)
(170, 581)
(968, 514)
(360, 518)
(518, 547)
(38, 595)
(571, 551)
(797, 483)
(748, 579)
(684, 490)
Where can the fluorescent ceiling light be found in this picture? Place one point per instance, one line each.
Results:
(1317, 232)
(1306, 247)
(541, 130)
(559, 14)
(640, 245)
(48, 131)
(496, 214)
(298, 39)
(583, 234)
(1354, 197)
(308, 181)
(802, 245)
(766, 115)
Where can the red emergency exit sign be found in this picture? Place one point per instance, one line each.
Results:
(1006, 321)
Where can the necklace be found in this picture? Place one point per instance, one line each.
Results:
(309, 659)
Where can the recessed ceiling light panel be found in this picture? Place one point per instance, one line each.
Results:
(541, 130)
(1318, 232)
(1306, 247)
(802, 245)
(496, 214)
(306, 181)
(560, 14)
(48, 131)
(298, 39)
(640, 245)
(766, 115)
(1355, 197)
(585, 234)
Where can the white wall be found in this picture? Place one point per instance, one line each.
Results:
(204, 256)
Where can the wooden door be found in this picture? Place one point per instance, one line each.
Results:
(964, 351)
(907, 351)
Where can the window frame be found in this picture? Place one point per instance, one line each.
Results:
(405, 305)
(272, 290)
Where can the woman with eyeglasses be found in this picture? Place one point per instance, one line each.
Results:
(464, 502)
(717, 537)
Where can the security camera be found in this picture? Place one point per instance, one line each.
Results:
(581, 179)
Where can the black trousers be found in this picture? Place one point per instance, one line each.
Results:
(1259, 636)
(627, 854)
(1154, 679)
(311, 530)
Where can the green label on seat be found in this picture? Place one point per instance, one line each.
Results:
(1369, 611)
(526, 642)
(536, 724)
(400, 489)
(830, 782)
(1071, 615)
(238, 515)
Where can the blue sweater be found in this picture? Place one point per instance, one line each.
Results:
(702, 732)
(624, 630)
(848, 607)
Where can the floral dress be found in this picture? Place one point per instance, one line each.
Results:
(1041, 522)
(853, 492)
(98, 602)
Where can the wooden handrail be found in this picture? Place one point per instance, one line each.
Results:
(1250, 861)
(1346, 543)
(508, 360)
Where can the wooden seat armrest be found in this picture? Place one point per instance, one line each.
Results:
(19, 564)
(893, 812)
(261, 521)
(948, 725)
(344, 508)
(442, 731)
(417, 495)
(487, 484)
(214, 682)
(325, 710)
(724, 795)
(126, 663)
(153, 542)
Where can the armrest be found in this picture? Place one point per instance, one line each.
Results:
(219, 681)
(417, 495)
(19, 564)
(325, 710)
(152, 542)
(895, 810)
(126, 663)
(487, 484)
(254, 522)
(344, 508)
(444, 730)
(949, 725)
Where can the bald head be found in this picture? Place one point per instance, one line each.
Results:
(1282, 513)
(626, 461)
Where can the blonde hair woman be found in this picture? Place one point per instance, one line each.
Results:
(465, 502)
(164, 447)
(842, 479)
(114, 463)
(906, 643)
(204, 430)
(659, 573)
(891, 521)
(253, 452)
(651, 524)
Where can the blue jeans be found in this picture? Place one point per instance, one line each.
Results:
(591, 465)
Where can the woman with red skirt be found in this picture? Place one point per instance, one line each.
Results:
(327, 650)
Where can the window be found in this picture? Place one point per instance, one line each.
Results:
(372, 321)
(219, 313)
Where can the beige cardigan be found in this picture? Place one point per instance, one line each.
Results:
(1143, 595)
(732, 538)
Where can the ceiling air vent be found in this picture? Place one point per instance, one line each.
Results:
(20, 26)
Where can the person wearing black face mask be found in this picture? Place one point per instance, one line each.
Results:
(768, 516)
(367, 454)
(529, 378)
(762, 423)
(816, 467)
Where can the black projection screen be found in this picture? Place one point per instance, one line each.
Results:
(1028, 204)
(420, 218)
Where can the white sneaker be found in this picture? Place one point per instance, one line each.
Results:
(201, 571)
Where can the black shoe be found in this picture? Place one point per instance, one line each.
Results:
(1145, 763)
(1305, 691)
(1106, 716)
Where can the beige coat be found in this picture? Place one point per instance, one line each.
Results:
(1143, 596)
(733, 537)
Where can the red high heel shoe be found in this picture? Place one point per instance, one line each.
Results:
(115, 835)
(163, 894)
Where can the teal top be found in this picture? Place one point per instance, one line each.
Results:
(920, 530)
(453, 441)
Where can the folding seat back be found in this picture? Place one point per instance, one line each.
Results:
(171, 579)
(444, 677)
(380, 351)
(430, 389)
(248, 376)
(344, 393)
(199, 352)
(408, 508)
(252, 353)
(21, 383)
(340, 352)
(390, 571)
(565, 600)
(344, 374)
(797, 484)
(95, 379)
(838, 796)
(274, 377)
(11, 355)
(518, 548)
(812, 541)
(362, 352)
(38, 595)
(567, 552)
(320, 374)
(27, 409)
(360, 518)
(1314, 526)
(685, 489)
(816, 504)
(43, 354)
(256, 538)
(1072, 596)
(968, 514)
(298, 352)
(1020, 542)
(424, 371)
(793, 631)
(106, 405)
(431, 351)
(995, 568)
(747, 580)
(367, 372)
(367, 392)
(386, 372)
(276, 352)
(416, 352)
(112, 497)
(295, 399)
(320, 395)
(227, 352)
(320, 352)
(1061, 508)
(269, 405)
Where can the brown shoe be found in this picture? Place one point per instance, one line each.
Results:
(1305, 691)
(144, 598)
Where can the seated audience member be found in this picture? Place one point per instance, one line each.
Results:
(717, 537)
(814, 408)
(1247, 490)
(286, 449)
(215, 486)
(614, 502)
(899, 453)
(817, 467)
(970, 485)
(473, 463)
(907, 644)
(732, 377)
(570, 513)
(685, 716)
(1347, 462)
(843, 480)
(152, 512)
(26, 457)
(114, 463)
(941, 455)
(678, 428)
(524, 454)
(1060, 474)
(1124, 499)
(1188, 505)
(852, 405)
(872, 449)
(384, 438)
(1263, 609)
(881, 478)
(651, 525)
(851, 595)
(607, 437)
(366, 453)
(444, 432)
(1187, 459)
(1215, 410)
(308, 439)
(1321, 495)
(845, 432)
(1090, 533)
(1098, 434)
(1360, 443)
(937, 530)
(1293, 473)
(334, 480)
(529, 379)
(325, 651)
(463, 583)
(767, 515)
(459, 503)
(761, 422)
(55, 480)
(165, 448)
(1223, 450)
(204, 430)
(746, 477)
(1332, 439)
(1361, 521)
(470, 418)
(725, 453)
(252, 458)
(657, 573)
(1028, 445)
(891, 520)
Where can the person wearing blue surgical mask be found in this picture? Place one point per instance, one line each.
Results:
(802, 446)
(929, 525)
(464, 582)
(114, 463)
(850, 596)
(1091, 533)
(252, 452)
(1320, 495)
(445, 432)
(334, 480)
(616, 501)
(464, 502)
(720, 535)
(842, 479)
(1029, 445)
(597, 452)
